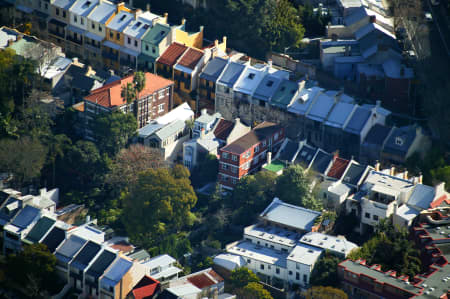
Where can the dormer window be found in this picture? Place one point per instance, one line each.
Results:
(122, 18)
(269, 83)
(399, 141)
(86, 4)
(146, 26)
(251, 76)
(137, 25)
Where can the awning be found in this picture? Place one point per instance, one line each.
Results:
(57, 23)
(111, 45)
(129, 51)
(40, 14)
(24, 9)
(93, 36)
(76, 29)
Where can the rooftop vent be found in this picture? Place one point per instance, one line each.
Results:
(269, 83)
(251, 75)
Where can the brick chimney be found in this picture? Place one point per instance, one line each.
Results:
(377, 165)
(392, 170)
(148, 7)
(183, 21)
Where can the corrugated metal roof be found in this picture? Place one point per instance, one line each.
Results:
(102, 12)
(69, 248)
(83, 7)
(422, 196)
(213, 69)
(231, 74)
(85, 256)
(40, 229)
(120, 21)
(321, 108)
(25, 217)
(101, 264)
(358, 120)
(115, 273)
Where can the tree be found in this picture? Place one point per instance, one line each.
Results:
(241, 277)
(252, 194)
(254, 290)
(57, 145)
(131, 161)
(325, 293)
(23, 157)
(160, 203)
(293, 187)
(33, 269)
(128, 93)
(391, 249)
(441, 174)
(206, 170)
(285, 28)
(113, 130)
(139, 82)
(325, 271)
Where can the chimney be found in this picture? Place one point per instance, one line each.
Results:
(335, 155)
(301, 85)
(111, 73)
(269, 62)
(420, 178)
(75, 60)
(183, 21)
(43, 191)
(202, 133)
(137, 12)
(269, 157)
(395, 208)
(377, 165)
(373, 19)
(224, 41)
(405, 175)
(19, 37)
(88, 218)
(166, 17)
(120, 6)
(216, 43)
(201, 28)
(237, 120)
(392, 170)
(148, 7)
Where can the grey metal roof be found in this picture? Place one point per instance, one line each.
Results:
(115, 273)
(421, 197)
(69, 248)
(305, 155)
(120, 21)
(83, 7)
(170, 129)
(358, 120)
(85, 256)
(293, 216)
(25, 217)
(354, 174)
(284, 93)
(231, 74)
(102, 12)
(289, 151)
(101, 263)
(213, 69)
(267, 88)
(339, 114)
(139, 255)
(400, 140)
(54, 238)
(377, 134)
(40, 229)
(64, 4)
(321, 108)
(157, 33)
(321, 161)
(149, 129)
(137, 28)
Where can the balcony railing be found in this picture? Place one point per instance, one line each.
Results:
(110, 55)
(56, 33)
(74, 40)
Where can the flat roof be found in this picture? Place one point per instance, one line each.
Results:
(275, 166)
(305, 254)
(332, 243)
(272, 234)
(250, 79)
(247, 249)
(385, 182)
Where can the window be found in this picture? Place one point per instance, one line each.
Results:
(234, 181)
(93, 26)
(234, 157)
(297, 276)
(57, 11)
(234, 169)
(225, 155)
(256, 148)
(290, 272)
(161, 94)
(367, 215)
(75, 19)
(297, 266)
(161, 108)
(375, 217)
(111, 35)
(82, 21)
(247, 154)
(305, 278)
(100, 28)
(269, 267)
(64, 13)
(118, 36)
(224, 166)
(261, 267)
(129, 40)
(135, 43)
(264, 143)
(277, 270)
(276, 136)
(153, 50)
(46, 5)
(248, 261)
(146, 47)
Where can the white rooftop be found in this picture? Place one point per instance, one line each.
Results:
(332, 243)
(386, 183)
(182, 112)
(305, 254)
(229, 261)
(407, 213)
(272, 234)
(159, 261)
(250, 79)
(83, 7)
(138, 27)
(185, 290)
(304, 100)
(88, 232)
(247, 249)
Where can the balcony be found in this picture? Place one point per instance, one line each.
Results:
(92, 48)
(110, 55)
(57, 33)
(75, 40)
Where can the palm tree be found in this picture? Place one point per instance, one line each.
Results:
(139, 82)
(190, 125)
(128, 92)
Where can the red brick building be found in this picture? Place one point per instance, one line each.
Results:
(247, 154)
(153, 101)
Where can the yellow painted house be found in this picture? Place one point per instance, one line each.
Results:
(189, 39)
(114, 36)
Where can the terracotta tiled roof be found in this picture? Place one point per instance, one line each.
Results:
(203, 280)
(223, 129)
(338, 168)
(146, 288)
(110, 94)
(123, 246)
(190, 58)
(172, 53)
(439, 201)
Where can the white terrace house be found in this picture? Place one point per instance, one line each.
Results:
(379, 198)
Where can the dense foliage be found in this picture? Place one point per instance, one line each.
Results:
(325, 293)
(391, 249)
(325, 271)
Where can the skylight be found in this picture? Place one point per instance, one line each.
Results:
(269, 83)
(122, 18)
(137, 24)
(251, 75)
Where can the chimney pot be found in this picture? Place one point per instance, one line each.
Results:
(148, 7)
(269, 62)
(269, 157)
(377, 165)
(183, 21)
(392, 170)
(216, 43)
(420, 178)
(405, 174)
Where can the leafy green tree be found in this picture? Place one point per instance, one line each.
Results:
(159, 204)
(33, 270)
(252, 194)
(128, 92)
(23, 157)
(113, 130)
(441, 174)
(293, 187)
(285, 28)
(325, 293)
(391, 249)
(254, 290)
(241, 277)
(325, 271)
